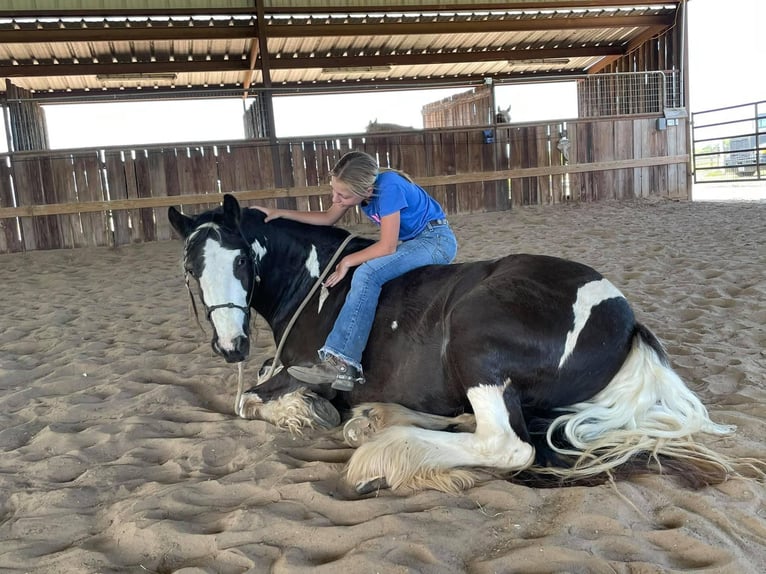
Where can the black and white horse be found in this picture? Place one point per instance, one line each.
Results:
(522, 363)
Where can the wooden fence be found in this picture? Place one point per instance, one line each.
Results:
(471, 108)
(115, 196)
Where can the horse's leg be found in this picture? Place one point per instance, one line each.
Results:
(294, 410)
(411, 457)
(369, 418)
(268, 370)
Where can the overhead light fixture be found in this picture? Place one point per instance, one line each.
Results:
(135, 77)
(540, 61)
(356, 69)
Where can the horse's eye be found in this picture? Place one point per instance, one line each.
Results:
(240, 261)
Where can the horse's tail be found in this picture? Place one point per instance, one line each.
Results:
(646, 413)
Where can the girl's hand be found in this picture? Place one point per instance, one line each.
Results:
(270, 213)
(341, 269)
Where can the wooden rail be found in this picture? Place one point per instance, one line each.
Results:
(273, 193)
(118, 195)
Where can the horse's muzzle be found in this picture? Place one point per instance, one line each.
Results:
(239, 352)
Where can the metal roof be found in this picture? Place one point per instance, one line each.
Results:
(287, 49)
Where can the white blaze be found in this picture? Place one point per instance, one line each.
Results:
(588, 296)
(220, 286)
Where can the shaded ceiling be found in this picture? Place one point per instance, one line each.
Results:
(146, 52)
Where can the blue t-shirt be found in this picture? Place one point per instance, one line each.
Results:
(394, 193)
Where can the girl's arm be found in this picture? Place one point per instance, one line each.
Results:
(330, 216)
(386, 245)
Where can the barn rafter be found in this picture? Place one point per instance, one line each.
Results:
(626, 60)
(269, 45)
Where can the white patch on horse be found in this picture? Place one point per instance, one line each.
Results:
(495, 442)
(209, 225)
(312, 263)
(324, 292)
(258, 249)
(588, 296)
(220, 286)
(401, 454)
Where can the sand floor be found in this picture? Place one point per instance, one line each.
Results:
(119, 451)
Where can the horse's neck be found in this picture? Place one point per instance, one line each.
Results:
(291, 273)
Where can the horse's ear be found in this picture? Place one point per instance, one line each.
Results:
(231, 211)
(180, 222)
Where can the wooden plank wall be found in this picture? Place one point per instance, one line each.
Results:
(470, 108)
(28, 129)
(72, 177)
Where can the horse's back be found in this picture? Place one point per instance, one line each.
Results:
(531, 290)
(482, 322)
(557, 329)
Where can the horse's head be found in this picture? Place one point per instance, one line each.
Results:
(223, 265)
(503, 116)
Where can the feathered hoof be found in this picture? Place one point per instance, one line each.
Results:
(325, 414)
(372, 485)
(293, 411)
(358, 430)
(249, 405)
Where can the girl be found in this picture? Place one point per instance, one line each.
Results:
(413, 232)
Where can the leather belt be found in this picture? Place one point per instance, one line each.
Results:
(435, 222)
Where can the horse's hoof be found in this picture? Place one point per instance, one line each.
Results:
(372, 485)
(357, 431)
(248, 406)
(325, 414)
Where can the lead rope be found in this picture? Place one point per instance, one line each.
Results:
(293, 319)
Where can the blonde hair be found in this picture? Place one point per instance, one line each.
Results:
(358, 170)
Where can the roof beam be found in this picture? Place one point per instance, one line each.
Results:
(467, 27)
(320, 29)
(119, 33)
(463, 6)
(443, 58)
(309, 8)
(122, 68)
(253, 59)
(301, 62)
(632, 45)
(297, 88)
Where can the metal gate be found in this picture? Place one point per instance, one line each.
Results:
(730, 143)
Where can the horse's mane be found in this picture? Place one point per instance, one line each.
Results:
(324, 236)
(206, 223)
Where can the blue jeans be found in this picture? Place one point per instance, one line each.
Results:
(348, 338)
